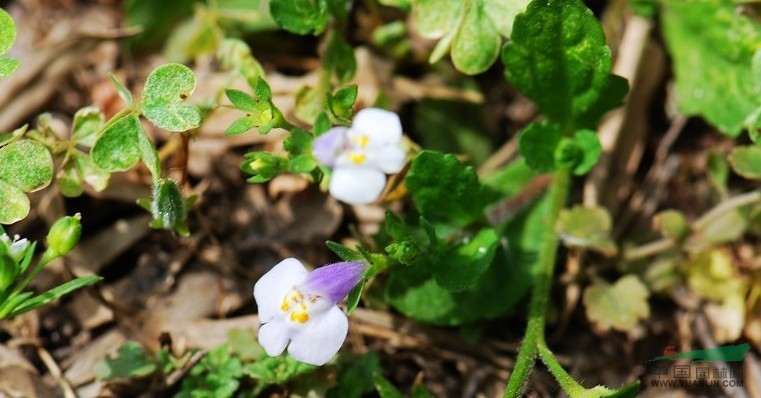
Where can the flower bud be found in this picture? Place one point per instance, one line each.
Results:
(263, 166)
(64, 234)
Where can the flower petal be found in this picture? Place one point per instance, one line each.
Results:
(272, 287)
(357, 186)
(327, 146)
(389, 159)
(319, 342)
(273, 336)
(381, 127)
(334, 281)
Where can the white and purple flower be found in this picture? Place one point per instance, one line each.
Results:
(301, 307)
(362, 155)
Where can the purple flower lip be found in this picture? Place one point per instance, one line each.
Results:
(334, 281)
(327, 146)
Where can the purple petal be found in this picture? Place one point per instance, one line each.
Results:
(327, 146)
(334, 281)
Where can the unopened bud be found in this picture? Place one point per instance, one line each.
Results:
(64, 234)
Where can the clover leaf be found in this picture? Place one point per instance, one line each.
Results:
(25, 166)
(557, 56)
(77, 166)
(117, 148)
(7, 37)
(746, 161)
(620, 305)
(470, 29)
(164, 96)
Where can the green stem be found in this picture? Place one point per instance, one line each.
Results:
(567, 383)
(542, 285)
(47, 257)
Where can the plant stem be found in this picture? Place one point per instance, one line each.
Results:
(567, 383)
(542, 285)
(47, 257)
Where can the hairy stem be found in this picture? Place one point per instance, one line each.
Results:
(542, 285)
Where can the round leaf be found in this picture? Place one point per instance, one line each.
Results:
(476, 45)
(164, 96)
(15, 204)
(746, 161)
(117, 147)
(26, 165)
(7, 32)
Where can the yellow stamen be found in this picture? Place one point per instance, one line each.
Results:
(299, 316)
(285, 306)
(363, 141)
(357, 158)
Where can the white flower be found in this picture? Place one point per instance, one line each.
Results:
(300, 307)
(16, 248)
(362, 155)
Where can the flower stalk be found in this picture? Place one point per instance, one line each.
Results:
(540, 297)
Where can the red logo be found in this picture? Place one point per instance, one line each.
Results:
(670, 350)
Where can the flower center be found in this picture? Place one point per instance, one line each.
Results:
(357, 158)
(361, 141)
(297, 306)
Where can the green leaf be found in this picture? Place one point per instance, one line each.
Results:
(470, 28)
(130, 362)
(26, 165)
(241, 125)
(300, 16)
(476, 45)
(558, 58)
(7, 37)
(321, 125)
(342, 102)
(262, 90)
(672, 224)
(746, 161)
(385, 388)
(538, 144)
(303, 163)
(586, 227)
(15, 203)
(457, 196)
(588, 144)
(117, 148)
(503, 12)
(619, 306)
(164, 96)
(343, 252)
(97, 178)
(352, 300)
(300, 142)
(123, 92)
(464, 264)
(413, 291)
(241, 100)
(716, 62)
(235, 54)
(149, 154)
(55, 293)
(69, 180)
(9, 269)
(87, 122)
(357, 379)
(339, 59)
